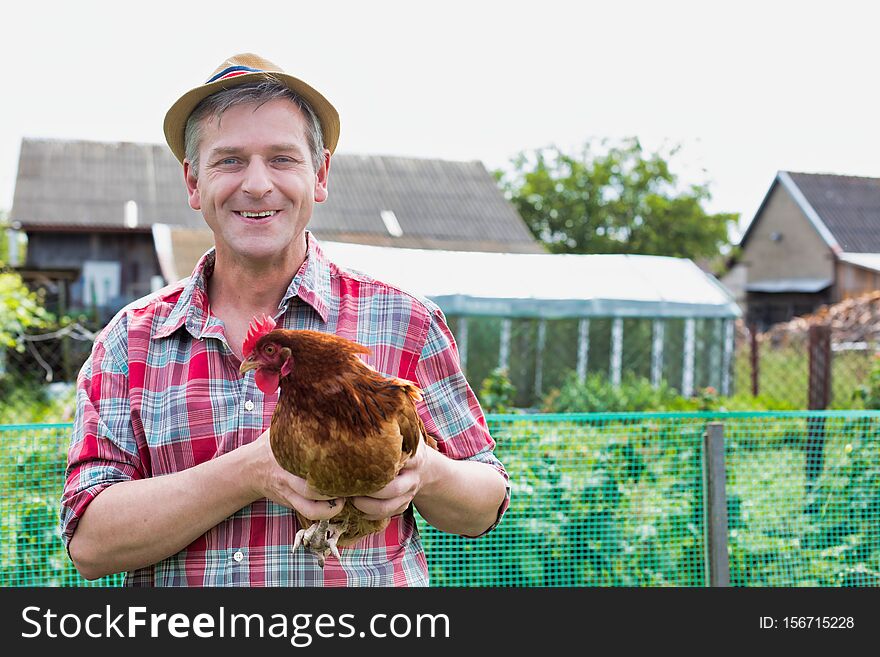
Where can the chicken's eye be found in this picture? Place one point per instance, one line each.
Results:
(270, 350)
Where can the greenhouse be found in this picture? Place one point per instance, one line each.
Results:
(542, 316)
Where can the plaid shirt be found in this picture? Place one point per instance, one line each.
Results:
(162, 392)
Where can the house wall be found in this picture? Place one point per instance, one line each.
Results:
(853, 281)
(801, 253)
(62, 250)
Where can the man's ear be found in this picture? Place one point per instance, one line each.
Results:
(192, 186)
(322, 176)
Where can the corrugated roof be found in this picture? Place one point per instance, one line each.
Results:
(87, 184)
(438, 204)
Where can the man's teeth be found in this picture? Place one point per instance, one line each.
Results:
(255, 215)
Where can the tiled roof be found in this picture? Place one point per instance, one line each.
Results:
(849, 206)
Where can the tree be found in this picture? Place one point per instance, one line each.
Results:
(619, 201)
(20, 309)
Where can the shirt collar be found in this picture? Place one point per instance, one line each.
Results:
(311, 284)
(312, 281)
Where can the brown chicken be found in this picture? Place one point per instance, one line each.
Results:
(339, 424)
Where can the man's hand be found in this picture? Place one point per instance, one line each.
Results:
(397, 495)
(280, 486)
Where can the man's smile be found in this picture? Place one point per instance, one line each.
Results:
(256, 215)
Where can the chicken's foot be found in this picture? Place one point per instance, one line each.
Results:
(320, 539)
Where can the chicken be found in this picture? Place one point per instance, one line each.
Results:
(339, 424)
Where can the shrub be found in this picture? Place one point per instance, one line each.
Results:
(597, 395)
(27, 402)
(635, 394)
(869, 393)
(20, 310)
(497, 393)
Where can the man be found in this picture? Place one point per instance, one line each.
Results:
(170, 474)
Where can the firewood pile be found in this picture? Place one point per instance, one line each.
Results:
(853, 321)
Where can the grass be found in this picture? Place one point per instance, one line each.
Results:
(784, 375)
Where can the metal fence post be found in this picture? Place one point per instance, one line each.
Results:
(715, 506)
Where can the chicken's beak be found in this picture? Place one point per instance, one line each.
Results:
(248, 365)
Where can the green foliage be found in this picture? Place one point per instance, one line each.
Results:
(24, 401)
(787, 532)
(4, 240)
(32, 465)
(622, 200)
(592, 504)
(869, 392)
(747, 402)
(596, 394)
(497, 393)
(20, 310)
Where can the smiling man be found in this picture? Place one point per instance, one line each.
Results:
(170, 475)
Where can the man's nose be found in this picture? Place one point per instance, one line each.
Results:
(257, 180)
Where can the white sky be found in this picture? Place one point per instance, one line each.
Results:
(747, 87)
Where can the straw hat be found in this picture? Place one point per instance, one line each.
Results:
(242, 69)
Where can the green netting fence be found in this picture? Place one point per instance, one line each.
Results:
(597, 500)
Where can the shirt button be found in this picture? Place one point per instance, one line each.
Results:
(249, 405)
(238, 556)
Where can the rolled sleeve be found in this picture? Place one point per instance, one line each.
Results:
(103, 449)
(450, 409)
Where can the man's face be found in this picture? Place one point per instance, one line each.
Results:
(256, 183)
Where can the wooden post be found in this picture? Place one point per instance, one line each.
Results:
(820, 367)
(68, 373)
(755, 359)
(715, 506)
(819, 399)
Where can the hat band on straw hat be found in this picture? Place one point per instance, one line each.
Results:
(232, 72)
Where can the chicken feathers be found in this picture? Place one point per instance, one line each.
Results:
(339, 424)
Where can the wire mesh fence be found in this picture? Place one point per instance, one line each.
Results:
(686, 356)
(539, 355)
(50, 356)
(597, 500)
(776, 365)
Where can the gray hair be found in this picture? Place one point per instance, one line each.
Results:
(257, 94)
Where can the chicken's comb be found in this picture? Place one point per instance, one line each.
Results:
(259, 327)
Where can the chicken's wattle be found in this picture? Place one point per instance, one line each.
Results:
(266, 380)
